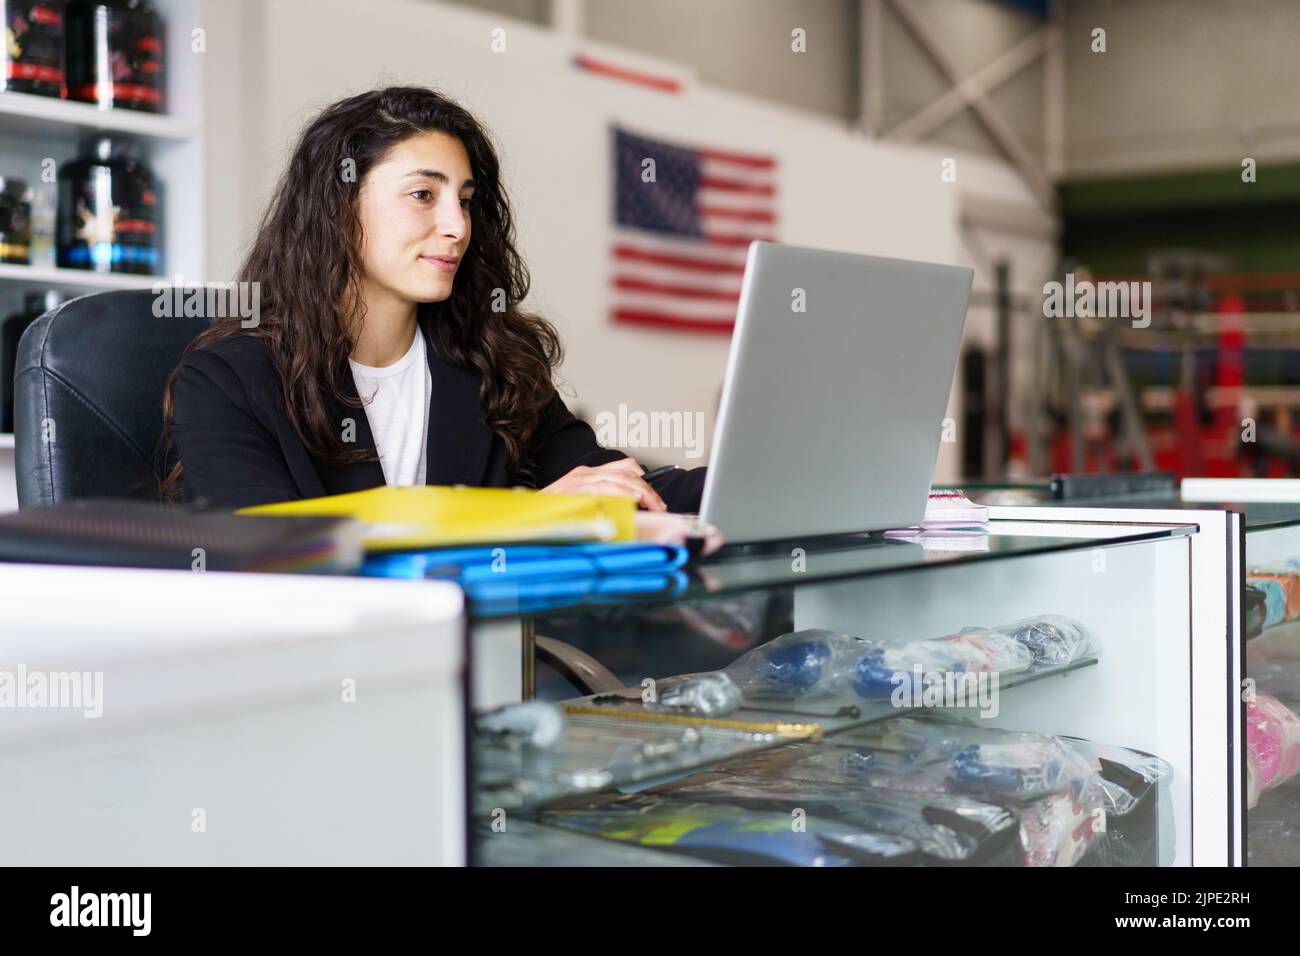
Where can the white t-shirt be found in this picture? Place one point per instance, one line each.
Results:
(397, 406)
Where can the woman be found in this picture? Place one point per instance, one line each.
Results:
(391, 345)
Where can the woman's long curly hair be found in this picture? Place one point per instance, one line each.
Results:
(307, 258)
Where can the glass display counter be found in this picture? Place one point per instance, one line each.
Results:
(1272, 691)
(1264, 582)
(1025, 696)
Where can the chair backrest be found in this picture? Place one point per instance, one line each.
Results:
(88, 390)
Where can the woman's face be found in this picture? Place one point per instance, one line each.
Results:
(414, 211)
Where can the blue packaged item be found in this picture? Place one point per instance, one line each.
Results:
(791, 665)
(1019, 767)
(874, 678)
(820, 661)
(526, 577)
(796, 667)
(886, 665)
(970, 772)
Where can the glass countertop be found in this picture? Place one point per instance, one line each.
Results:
(1259, 514)
(738, 568)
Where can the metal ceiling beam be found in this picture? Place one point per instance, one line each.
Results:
(1003, 136)
(980, 83)
(871, 74)
(1054, 93)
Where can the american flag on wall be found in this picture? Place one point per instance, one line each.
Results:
(680, 241)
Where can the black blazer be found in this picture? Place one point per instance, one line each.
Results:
(239, 449)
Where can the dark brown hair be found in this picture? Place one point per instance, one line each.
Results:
(307, 259)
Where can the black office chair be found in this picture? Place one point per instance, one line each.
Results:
(88, 390)
(88, 418)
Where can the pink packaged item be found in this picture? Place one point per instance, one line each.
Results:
(1273, 745)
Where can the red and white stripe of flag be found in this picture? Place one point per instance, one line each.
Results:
(694, 283)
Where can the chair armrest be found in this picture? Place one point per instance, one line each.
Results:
(579, 668)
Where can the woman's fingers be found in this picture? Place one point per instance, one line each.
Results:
(630, 488)
(620, 478)
(628, 465)
(630, 469)
(619, 485)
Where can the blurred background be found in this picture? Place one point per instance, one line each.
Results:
(1114, 140)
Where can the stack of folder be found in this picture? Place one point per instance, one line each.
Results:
(428, 516)
(510, 550)
(140, 534)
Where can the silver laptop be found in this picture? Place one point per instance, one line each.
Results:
(831, 416)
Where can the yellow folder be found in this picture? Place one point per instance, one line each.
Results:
(431, 516)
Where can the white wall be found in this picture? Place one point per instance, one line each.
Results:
(745, 45)
(838, 190)
(1183, 83)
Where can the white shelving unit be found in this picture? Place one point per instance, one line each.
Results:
(36, 128)
(71, 281)
(23, 113)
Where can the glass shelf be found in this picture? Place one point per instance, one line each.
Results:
(599, 753)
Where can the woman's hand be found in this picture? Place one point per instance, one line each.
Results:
(678, 529)
(620, 478)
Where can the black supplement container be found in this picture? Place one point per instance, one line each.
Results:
(115, 54)
(31, 59)
(15, 221)
(110, 210)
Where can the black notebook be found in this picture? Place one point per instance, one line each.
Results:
(140, 534)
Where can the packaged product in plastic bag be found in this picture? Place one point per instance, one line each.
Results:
(1018, 767)
(945, 828)
(1000, 766)
(905, 742)
(741, 817)
(1273, 745)
(1139, 814)
(1050, 786)
(1059, 829)
(818, 661)
(886, 665)
(533, 723)
(1104, 810)
(807, 662)
(709, 695)
(1052, 639)
(709, 831)
(1137, 771)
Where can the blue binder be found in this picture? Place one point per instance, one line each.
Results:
(519, 578)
